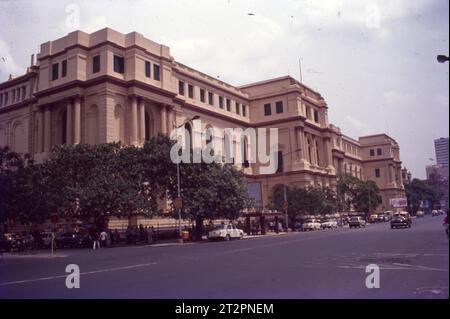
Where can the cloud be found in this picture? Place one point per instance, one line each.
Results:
(395, 97)
(8, 64)
(357, 125)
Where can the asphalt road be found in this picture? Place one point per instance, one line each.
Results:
(322, 264)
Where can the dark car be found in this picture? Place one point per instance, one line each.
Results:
(356, 222)
(401, 220)
(72, 240)
(5, 244)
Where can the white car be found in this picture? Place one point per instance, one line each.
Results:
(330, 223)
(225, 232)
(311, 224)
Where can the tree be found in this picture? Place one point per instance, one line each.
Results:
(416, 191)
(366, 196)
(346, 191)
(210, 191)
(23, 188)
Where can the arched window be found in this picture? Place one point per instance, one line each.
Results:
(18, 138)
(119, 124)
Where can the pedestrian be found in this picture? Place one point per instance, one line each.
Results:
(141, 233)
(149, 234)
(103, 239)
(95, 239)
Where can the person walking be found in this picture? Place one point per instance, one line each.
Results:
(95, 239)
(103, 239)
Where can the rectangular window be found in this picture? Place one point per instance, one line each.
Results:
(202, 95)
(244, 110)
(64, 68)
(279, 107)
(210, 98)
(191, 91)
(238, 108)
(267, 109)
(119, 64)
(181, 87)
(372, 152)
(6, 98)
(24, 92)
(13, 96)
(156, 72)
(316, 116)
(377, 172)
(228, 105)
(221, 102)
(55, 72)
(147, 68)
(308, 113)
(96, 64)
(1, 99)
(378, 151)
(280, 162)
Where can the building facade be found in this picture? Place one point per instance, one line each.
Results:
(107, 86)
(441, 149)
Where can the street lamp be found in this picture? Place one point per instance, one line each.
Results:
(178, 202)
(442, 58)
(285, 204)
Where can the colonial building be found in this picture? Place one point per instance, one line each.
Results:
(107, 86)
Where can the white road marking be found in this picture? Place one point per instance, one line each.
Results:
(83, 273)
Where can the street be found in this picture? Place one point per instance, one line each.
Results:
(321, 264)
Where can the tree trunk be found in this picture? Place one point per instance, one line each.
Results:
(198, 228)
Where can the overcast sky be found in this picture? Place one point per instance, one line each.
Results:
(373, 61)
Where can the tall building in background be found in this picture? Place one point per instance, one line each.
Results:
(441, 148)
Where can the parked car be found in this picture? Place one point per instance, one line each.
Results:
(401, 220)
(374, 218)
(311, 224)
(420, 214)
(225, 232)
(382, 218)
(329, 224)
(434, 212)
(356, 222)
(72, 240)
(5, 243)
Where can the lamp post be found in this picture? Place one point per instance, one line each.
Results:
(178, 202)
(285, 204)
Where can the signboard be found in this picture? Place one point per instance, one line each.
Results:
(400, 202)
(178, 203)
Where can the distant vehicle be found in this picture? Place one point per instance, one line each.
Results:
(5, 243)
(434, 212)
(383, 218)
(311, 224)
(72, 240)
(225, 232)
(356, 222)
(373, 218)
(329, 224)
(420, 214)
(440, 212)
(401, 220)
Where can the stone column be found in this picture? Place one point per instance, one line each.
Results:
(328, 152)
(77, 121)
(134, 121)
(170, 118)
(40, 133)
(142, 120)
(47, 128)
(163, 119)
(69, 123)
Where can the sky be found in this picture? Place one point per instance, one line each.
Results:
(373, 61)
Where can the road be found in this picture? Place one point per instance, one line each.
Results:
(322, 264)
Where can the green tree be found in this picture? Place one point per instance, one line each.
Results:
(366, 197)
(415, 191)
